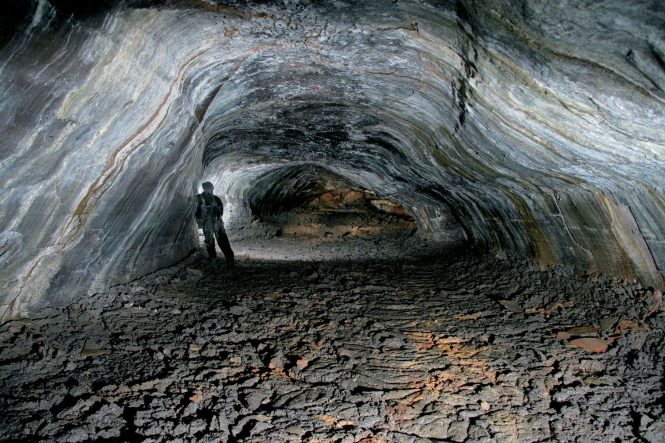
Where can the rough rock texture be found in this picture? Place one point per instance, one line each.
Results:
(531, 126)
(419, 351)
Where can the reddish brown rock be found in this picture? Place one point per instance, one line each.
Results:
(327, 197)
(590, 344)
(353, 197)
(630, 325)
(583, 330)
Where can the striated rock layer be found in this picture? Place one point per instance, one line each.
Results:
(536, 129)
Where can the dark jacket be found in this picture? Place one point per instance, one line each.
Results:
(208, 207)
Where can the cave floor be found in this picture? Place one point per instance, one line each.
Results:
(420, 350)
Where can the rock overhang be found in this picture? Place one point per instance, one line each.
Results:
(479, 117)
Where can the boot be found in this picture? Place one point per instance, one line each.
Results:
(212, 253)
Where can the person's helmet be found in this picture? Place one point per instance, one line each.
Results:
(207, 186)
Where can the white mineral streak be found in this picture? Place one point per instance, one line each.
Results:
(44, 13)
(526, 136)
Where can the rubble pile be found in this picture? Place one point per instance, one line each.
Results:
(411, 351)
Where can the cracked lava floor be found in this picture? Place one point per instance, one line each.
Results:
(420, 350)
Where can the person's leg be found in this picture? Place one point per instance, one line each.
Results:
(223, 242)
(209, 234)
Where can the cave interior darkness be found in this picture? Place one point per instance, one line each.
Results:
(448, 218)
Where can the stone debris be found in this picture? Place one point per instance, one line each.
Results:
(590, 344)
(511, 306)
(414, 351)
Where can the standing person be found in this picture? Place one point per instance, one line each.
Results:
(209, 210)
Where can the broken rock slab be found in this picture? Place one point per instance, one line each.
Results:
(590, 344)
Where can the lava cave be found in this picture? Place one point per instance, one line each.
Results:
(448, 219)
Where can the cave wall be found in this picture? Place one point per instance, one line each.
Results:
(529, 127)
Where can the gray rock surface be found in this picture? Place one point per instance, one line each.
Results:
(532, 126)
(414, 351)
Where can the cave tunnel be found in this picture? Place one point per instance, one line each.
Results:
(448, 219)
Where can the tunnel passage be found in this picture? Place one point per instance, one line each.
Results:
(489, 125)
(307, 212)
(308, 201)
(345, 138)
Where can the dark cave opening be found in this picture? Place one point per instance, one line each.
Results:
(309, 201)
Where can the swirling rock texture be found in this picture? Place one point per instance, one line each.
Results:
(532, 126)
(507, 135)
